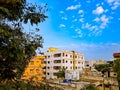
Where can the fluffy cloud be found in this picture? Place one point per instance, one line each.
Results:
(73, 7)
(98, 10)
(89, 27)
(114, 4)
(80, 12)
(110, 1)
(79, 32)
(81, 19)
(96, 19)
(62, 26)
(104, 20)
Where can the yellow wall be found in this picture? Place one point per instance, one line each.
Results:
(34, 69)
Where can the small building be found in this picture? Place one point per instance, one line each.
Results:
(116, 55)
(34, 71)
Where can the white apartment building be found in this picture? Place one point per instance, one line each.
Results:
(56, 59)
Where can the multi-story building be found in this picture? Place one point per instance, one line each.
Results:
(116, 55)
(56, 59)
(34, 70)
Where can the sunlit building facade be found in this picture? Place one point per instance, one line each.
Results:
(34, 70)
(56, 59)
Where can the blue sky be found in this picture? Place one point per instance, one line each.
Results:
(91, 27)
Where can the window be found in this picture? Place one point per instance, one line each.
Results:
(57, 61)
(57, 55)
(48, 61)
(48, 74)
(44, 73)
(55, 74)
(70, 61)
(45, 57)
(57, 67)
(44, 62)
(66, 61)
(48, 56)
(48, 67)
(66, 55)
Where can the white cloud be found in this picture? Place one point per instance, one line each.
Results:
(73, 7)
(93, 29)
(96, 19)
(87, 25)
(110, 1)
(81, 19)
(62, 26)
(114, 4)
(64, 18)
(99, 10)
(104, 20)
(80, 12)
(79, 32)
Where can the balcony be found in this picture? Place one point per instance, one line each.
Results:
(57, 61)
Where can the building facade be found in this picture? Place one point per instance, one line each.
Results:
(116, 55)
(34, 70)
(56, 59)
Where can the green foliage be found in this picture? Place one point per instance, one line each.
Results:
(61, 73)
(116, 68)
(100, 67)
(90, 87)
(16, 46)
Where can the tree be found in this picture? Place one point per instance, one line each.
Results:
(16, 46)
(100, 67)
(61, 73)
(116, 68)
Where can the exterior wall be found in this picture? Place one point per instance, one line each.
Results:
(100, 61)
(89, 64)
(34, 69)
(116, 55)
(62, 59)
